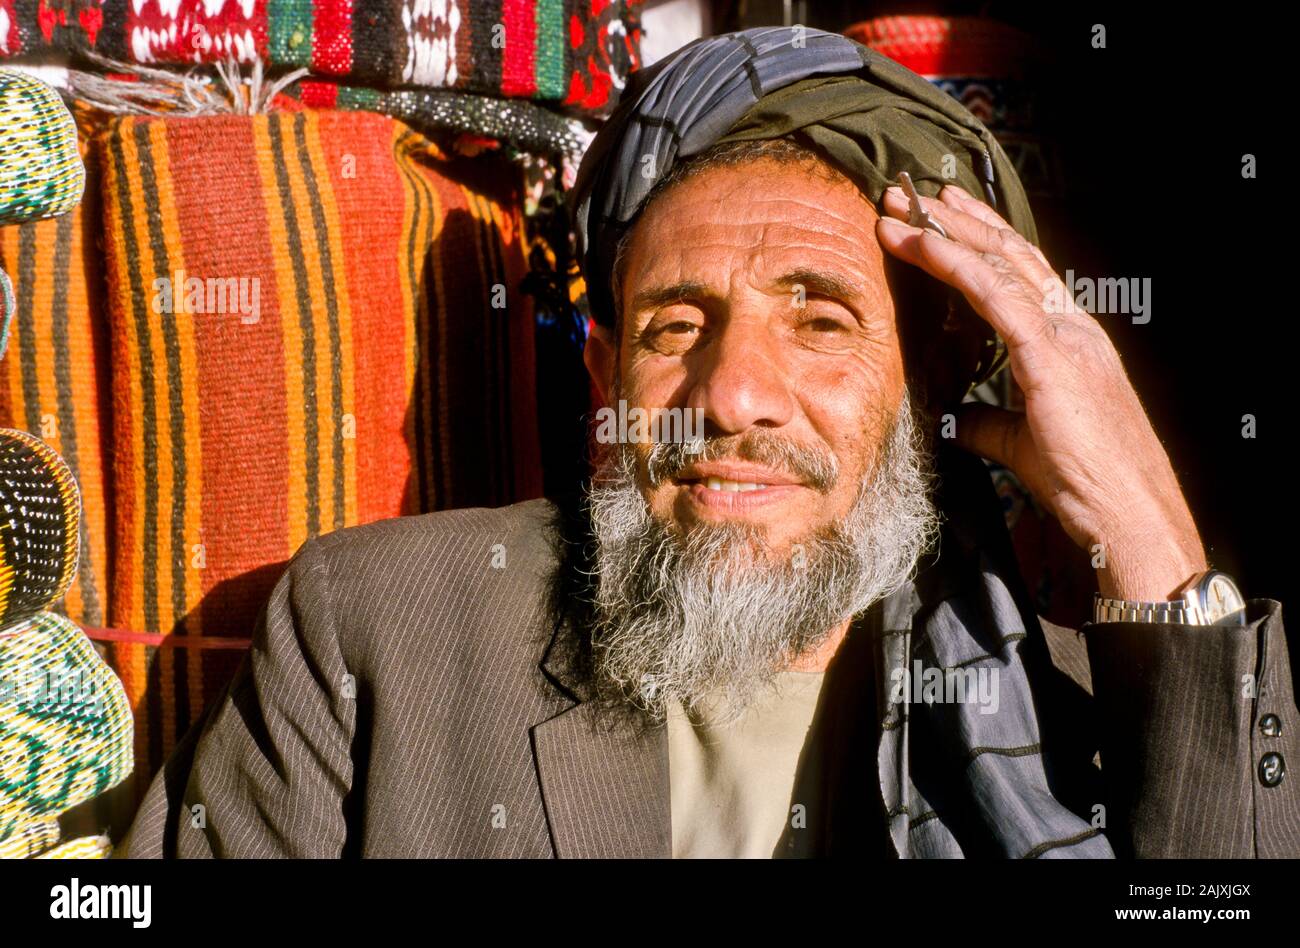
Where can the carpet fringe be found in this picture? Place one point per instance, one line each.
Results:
(163, 92)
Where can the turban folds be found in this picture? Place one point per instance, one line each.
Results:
(867, 115)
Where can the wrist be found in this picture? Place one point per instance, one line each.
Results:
(1150, 573)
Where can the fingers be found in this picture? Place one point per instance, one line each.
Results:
(1003, 276)
(960, 226)
(993, 433)
(977, 276)
(956, 197)
(953, 196)
(976, 225)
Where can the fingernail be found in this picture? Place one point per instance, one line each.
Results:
(895, 222)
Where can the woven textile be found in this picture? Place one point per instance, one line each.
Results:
(575, 52)
(38, 530)
(29, 837)
(520, 126)
(40, 171)
(53, 380)
(87, 847)
(385, 368)
(65, 729)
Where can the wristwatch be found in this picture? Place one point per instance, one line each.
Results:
(1211, 598)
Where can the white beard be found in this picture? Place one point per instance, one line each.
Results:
(713, 613)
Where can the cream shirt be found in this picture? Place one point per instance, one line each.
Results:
(731, 786)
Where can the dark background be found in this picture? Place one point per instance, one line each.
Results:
(1151, 132)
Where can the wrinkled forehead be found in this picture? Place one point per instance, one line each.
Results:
(762, 220)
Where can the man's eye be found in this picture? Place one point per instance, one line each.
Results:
(680, 327)
(673, 336)
(823, 324)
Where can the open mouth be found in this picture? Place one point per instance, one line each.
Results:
(738, 487)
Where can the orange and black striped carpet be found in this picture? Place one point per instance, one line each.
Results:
(54, 376)
(373, 357)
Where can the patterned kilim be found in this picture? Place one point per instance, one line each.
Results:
(575, 52)
(65, 729)
(40, 173)
(53, 380)
(316, 322)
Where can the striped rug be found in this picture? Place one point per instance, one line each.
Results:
(54, 379)
(377, 377)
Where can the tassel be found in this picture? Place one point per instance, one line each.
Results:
(162, 92)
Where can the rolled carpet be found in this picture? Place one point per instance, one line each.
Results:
(54, 377)
(316, 322)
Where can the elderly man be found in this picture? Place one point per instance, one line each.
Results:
(800, 631)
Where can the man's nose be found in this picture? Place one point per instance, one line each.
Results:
(741, 380)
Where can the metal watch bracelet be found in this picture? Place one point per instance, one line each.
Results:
(1211, 598)
(1175, 612)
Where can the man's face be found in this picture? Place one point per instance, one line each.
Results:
(756, 294)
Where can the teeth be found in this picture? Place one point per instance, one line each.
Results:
(735, 487)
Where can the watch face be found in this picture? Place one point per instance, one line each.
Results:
(1222, 599)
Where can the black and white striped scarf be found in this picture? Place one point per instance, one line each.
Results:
(955, 780)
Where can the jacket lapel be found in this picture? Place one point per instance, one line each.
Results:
(604, 785)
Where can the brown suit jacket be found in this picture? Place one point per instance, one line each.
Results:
(402, 699)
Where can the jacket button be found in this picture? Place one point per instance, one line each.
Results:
(1270, 725)
(1272, 768)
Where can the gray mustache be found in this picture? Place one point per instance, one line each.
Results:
(818, 468)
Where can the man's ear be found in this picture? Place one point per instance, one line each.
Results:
(601, 357)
